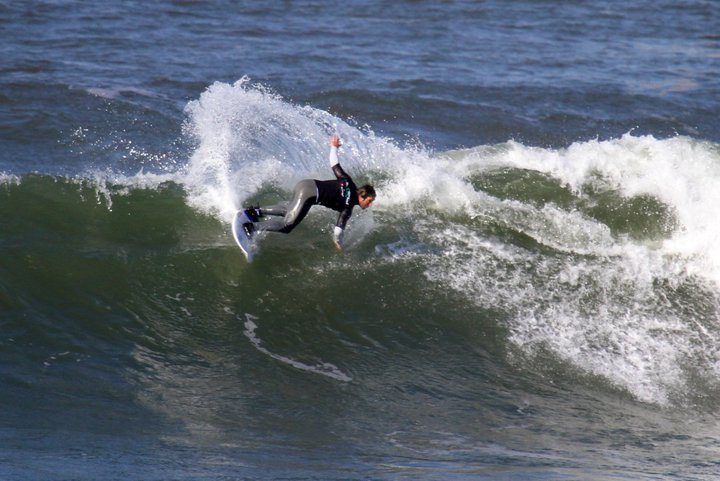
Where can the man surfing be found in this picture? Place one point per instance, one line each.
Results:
(339, 194)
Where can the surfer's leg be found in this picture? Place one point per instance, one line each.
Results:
(303, 199)
(276, 210)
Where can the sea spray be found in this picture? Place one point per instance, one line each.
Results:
(248, 138)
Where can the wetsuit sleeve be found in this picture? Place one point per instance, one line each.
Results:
(343, 217)
(339, 230)
(333, 156)
(335, 164)
(338, 235)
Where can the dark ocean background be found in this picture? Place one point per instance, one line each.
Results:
(534, 295)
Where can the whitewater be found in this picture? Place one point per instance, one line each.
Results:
(586, 251)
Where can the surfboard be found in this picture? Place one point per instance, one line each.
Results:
(241, 236)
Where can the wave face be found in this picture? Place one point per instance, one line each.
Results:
(500, 279)
(600, 255)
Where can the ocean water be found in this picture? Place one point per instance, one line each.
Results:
(534, 295)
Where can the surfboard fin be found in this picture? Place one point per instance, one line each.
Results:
(249, 229)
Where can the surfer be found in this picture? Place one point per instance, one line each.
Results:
(339, 194)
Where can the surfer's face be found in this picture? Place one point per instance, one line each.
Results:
(365, 202)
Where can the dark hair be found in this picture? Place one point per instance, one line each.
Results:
(366, 190)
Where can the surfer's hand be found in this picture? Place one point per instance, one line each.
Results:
(335, 141)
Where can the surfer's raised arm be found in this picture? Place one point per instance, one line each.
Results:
(335, 161)
(334, 146)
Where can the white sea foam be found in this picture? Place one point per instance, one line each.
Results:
(599, 308)
(682, 173)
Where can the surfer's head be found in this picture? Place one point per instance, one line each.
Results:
(366, 196)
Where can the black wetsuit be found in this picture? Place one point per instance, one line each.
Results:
(339, 194)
